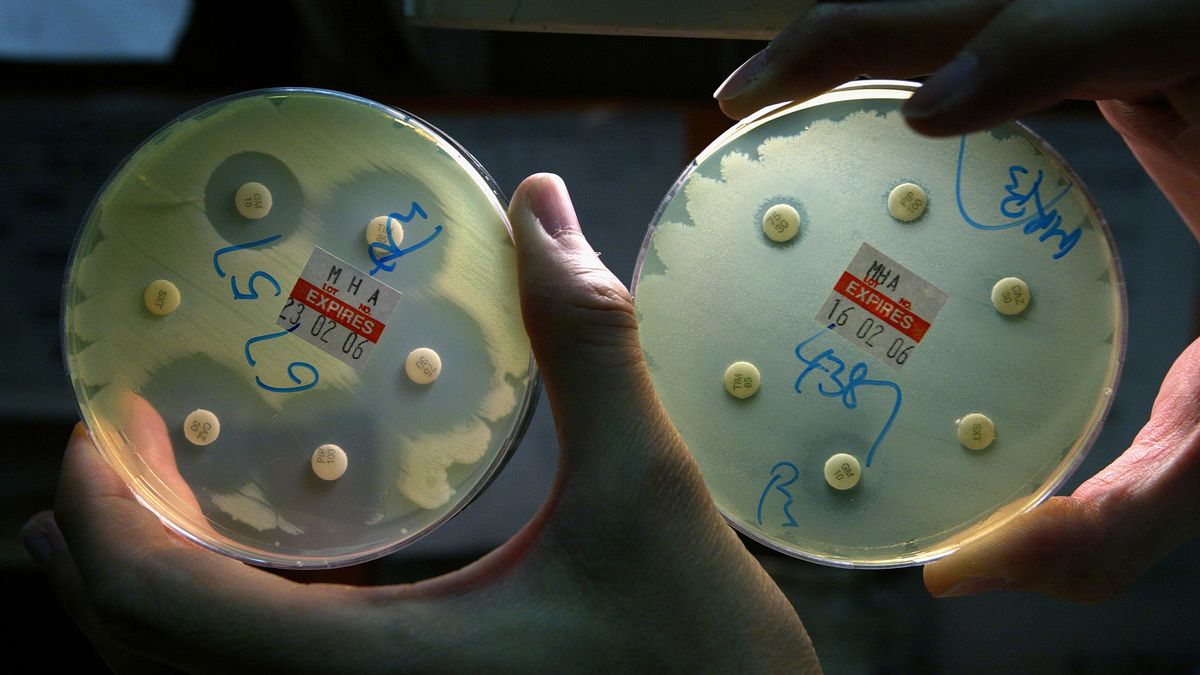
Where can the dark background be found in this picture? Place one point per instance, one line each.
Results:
(618, 118)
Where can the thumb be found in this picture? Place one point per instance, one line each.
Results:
(619, 450)
(1092, 545)
(579, 316)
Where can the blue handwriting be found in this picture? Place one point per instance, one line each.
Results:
(391, 249)
(291, 375)
(778, 474)
(252, 294)
(847, 390)
(1023, 207)
(238, 247)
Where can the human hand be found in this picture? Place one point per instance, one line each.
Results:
(627, 566)
(992, 61)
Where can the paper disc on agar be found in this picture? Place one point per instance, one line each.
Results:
(295, 329)
(875, 330)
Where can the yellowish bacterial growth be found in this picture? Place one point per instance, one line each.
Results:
(842, 471)
(712, 287)
(380, 226)
(742, 379)
(975, 431)
(253, 200)
(161, 297)
(483, 286)
(329, 462)
(325, 160)
(781, 223)
(906, 202)
(425, 479)
(250, 506)
(423, 365)
(1010, 296)
(201, 427)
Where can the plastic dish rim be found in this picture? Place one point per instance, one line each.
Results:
(900, 89)
(527, 405)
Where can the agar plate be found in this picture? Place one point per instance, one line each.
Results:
(224, 321)
(880, 327)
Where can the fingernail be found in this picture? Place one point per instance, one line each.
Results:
(974, 586)
(34, 538)
(80, 431)
(550, 204)
(743, 77)
(941, 91)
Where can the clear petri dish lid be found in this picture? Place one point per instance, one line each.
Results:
(879, 346)
(291, 321)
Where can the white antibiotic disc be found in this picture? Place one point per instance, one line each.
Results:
(295, 330)
(878, 326)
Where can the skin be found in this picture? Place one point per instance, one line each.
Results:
(990, 62)
(627, 565)
(680, 598)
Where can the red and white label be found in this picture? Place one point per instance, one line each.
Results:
(881, 306)
(357, 321)
(340, 310)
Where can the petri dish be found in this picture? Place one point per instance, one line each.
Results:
(288, 330)
(874, 327)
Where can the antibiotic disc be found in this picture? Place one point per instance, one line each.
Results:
(936, 326)
(241, 307)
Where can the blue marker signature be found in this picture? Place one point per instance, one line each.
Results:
(252, 294)
(833, 367)
(1023, 207)
(778, 473)
(382, 254)
(216, 259)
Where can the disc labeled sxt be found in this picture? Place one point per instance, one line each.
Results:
(291, 320)
(934, 326)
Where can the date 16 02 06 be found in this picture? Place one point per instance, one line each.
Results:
(869, 329)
